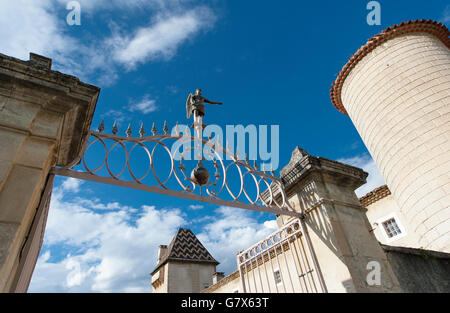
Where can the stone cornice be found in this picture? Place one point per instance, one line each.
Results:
(418, 26)
(33, 81)
(301, 162)
(36, 72)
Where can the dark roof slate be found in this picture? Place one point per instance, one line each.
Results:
(185, 246)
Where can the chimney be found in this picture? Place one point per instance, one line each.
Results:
(161, 251)
(217, 276)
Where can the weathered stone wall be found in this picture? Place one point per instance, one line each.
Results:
(336, 222)
(190, 277)
(398, 97)
(420, 270)
(44, 119)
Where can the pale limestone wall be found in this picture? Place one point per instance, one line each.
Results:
(24, 166)
(381, 210)
(44, 116)
(190, 277)
(398, 97)
(337, 224)
(291, 265)
(338, 229)
(162, 287)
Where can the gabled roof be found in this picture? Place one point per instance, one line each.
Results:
(185, 246)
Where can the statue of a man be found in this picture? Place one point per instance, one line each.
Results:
(195, 105)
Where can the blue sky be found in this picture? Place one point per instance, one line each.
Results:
(270, 63)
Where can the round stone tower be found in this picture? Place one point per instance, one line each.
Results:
(396, 90)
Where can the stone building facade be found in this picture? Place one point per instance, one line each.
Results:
(389, 224)
(328, 250)
(184, 266)
(396, 90)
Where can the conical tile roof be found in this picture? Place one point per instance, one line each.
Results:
(185, 246)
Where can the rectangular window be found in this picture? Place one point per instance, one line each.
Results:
(391, 228)
(277, 277)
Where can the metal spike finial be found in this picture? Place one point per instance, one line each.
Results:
(218, 143)
(115, 130)
(181, 167)
(177, 129)
(227, 148)
(216, 174)
(272, 172)
(255, 165)
(142, 130)
(165, 128)
(238, 157)
(129, 132)
(246, 159)
(154, 130)
(101, 127)
(216, 166)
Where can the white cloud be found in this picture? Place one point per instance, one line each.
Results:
(145, 105)
(31, 26)
(111, 251)
(233, 230)
(446, 15)
(102, 5)
(374, 180)
(160, 39)
(116, 115)
(38, 26)
(196, 207)
(72, 184)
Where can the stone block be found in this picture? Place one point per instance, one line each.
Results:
(35, 152)
(8, 232)
(47, 124)
(18, 191)
(17, 114)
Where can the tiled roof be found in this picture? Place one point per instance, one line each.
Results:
(418, 26)
(185, 246)
(375, 195)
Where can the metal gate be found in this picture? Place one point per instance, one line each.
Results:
(281, 263)
(179, 182)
